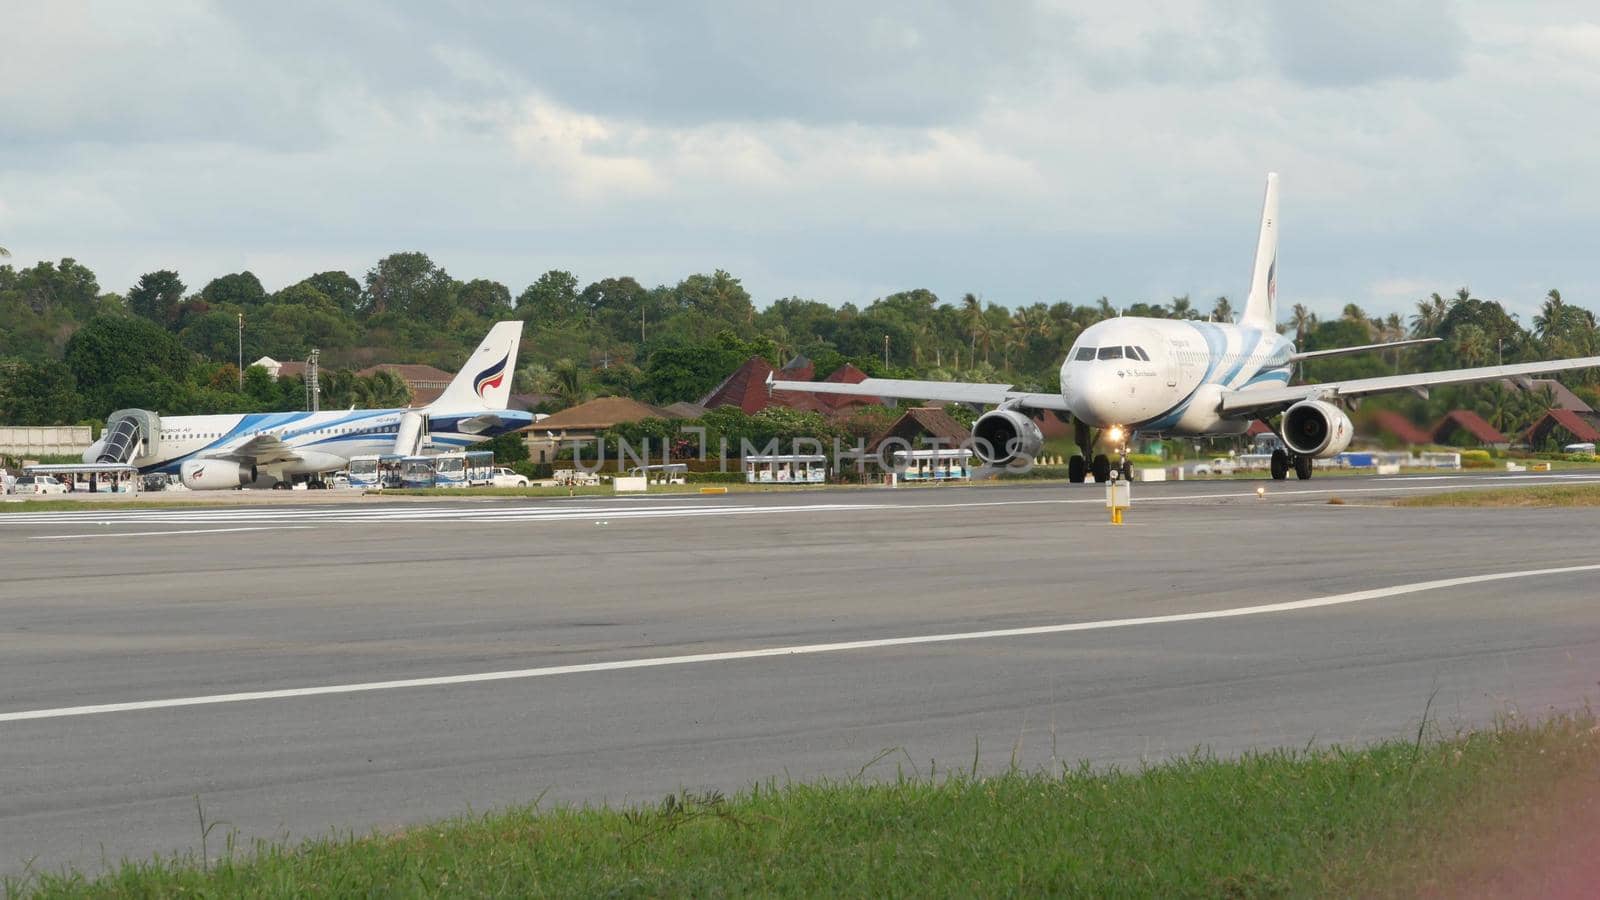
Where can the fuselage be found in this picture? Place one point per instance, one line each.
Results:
(323, 441)
(1166, 376)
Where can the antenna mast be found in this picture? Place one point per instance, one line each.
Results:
(313, 393)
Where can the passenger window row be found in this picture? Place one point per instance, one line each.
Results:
(1129, 352)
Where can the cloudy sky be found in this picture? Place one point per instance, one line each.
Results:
(834, 150)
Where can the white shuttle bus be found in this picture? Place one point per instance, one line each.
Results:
(472, 468)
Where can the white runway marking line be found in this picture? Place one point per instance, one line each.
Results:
(799, 650)
(98, 535)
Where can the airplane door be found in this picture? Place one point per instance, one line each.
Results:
(1172, 367)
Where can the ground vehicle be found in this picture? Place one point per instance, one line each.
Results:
(504, 477)
(786, 469)
(38, 485)
(670, 473)
(1585, 447)
(1220, 465)
(472, 468)
(375, 472)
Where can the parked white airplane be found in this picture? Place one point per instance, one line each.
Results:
(272, 449)
(1132, 377)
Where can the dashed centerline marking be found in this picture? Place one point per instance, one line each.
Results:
(799, 650)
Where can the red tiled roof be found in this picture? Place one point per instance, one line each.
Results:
(413, 375)
(746, 388)
(1562, 395)
(600, 414)
(1258, 427)
(1471, 423)
(923, 421)
(798, 369)
(1571, 420)
(848, 374)
(1388, 421)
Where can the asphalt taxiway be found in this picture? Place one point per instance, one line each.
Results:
(301, 667)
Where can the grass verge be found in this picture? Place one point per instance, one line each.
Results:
(15, 505)
(1530, 496)
(1397, 818)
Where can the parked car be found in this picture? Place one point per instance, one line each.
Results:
(38, 484)
(504, 477)
(1220, 465)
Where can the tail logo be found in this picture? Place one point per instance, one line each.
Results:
(491, 377)
(1272, 281)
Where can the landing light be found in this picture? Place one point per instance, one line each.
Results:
(1115, 434)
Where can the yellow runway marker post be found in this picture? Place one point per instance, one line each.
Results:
(1119, 496)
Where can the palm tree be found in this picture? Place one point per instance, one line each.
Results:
(1303, 320)
(1472, 345)
(1551, 320)
(1430, 316)
(1183, 309)
(4, 253)
(564, 381)
(384, 389)
(1026, 324)
(971, 315)
(984, 334)
(339, 389)
(1393, 328)
(1222, 310)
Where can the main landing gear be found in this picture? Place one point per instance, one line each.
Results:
(1283, 461)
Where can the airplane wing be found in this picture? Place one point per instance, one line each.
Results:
(1362, 348)
(1268, 400)
(942, 391)
(260, 450)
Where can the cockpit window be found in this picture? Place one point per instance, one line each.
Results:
(1085, 353)
(1137, 353)
(1110, 352)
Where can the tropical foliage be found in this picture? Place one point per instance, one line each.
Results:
(69, 350)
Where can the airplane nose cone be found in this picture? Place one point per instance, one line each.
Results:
(1101, 397)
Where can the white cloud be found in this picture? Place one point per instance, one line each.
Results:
(1044, 154)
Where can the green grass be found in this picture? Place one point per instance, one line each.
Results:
(1393, 819)
(1529, 497)
(14, 504)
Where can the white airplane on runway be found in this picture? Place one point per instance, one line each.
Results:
(272, 449)
(1131, 376)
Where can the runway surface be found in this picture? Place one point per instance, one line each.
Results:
(301, 668)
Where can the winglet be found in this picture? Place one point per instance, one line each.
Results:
(1261, 307)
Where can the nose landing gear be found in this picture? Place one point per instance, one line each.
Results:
(1080, 466)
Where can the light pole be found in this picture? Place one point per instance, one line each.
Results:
(241, 353)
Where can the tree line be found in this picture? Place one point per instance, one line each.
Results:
(71, 352)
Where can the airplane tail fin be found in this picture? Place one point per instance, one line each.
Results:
(484, 381)
(1261, 308)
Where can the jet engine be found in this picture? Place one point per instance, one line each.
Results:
(1003, 435)
(215, 474)
(1317, 429)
